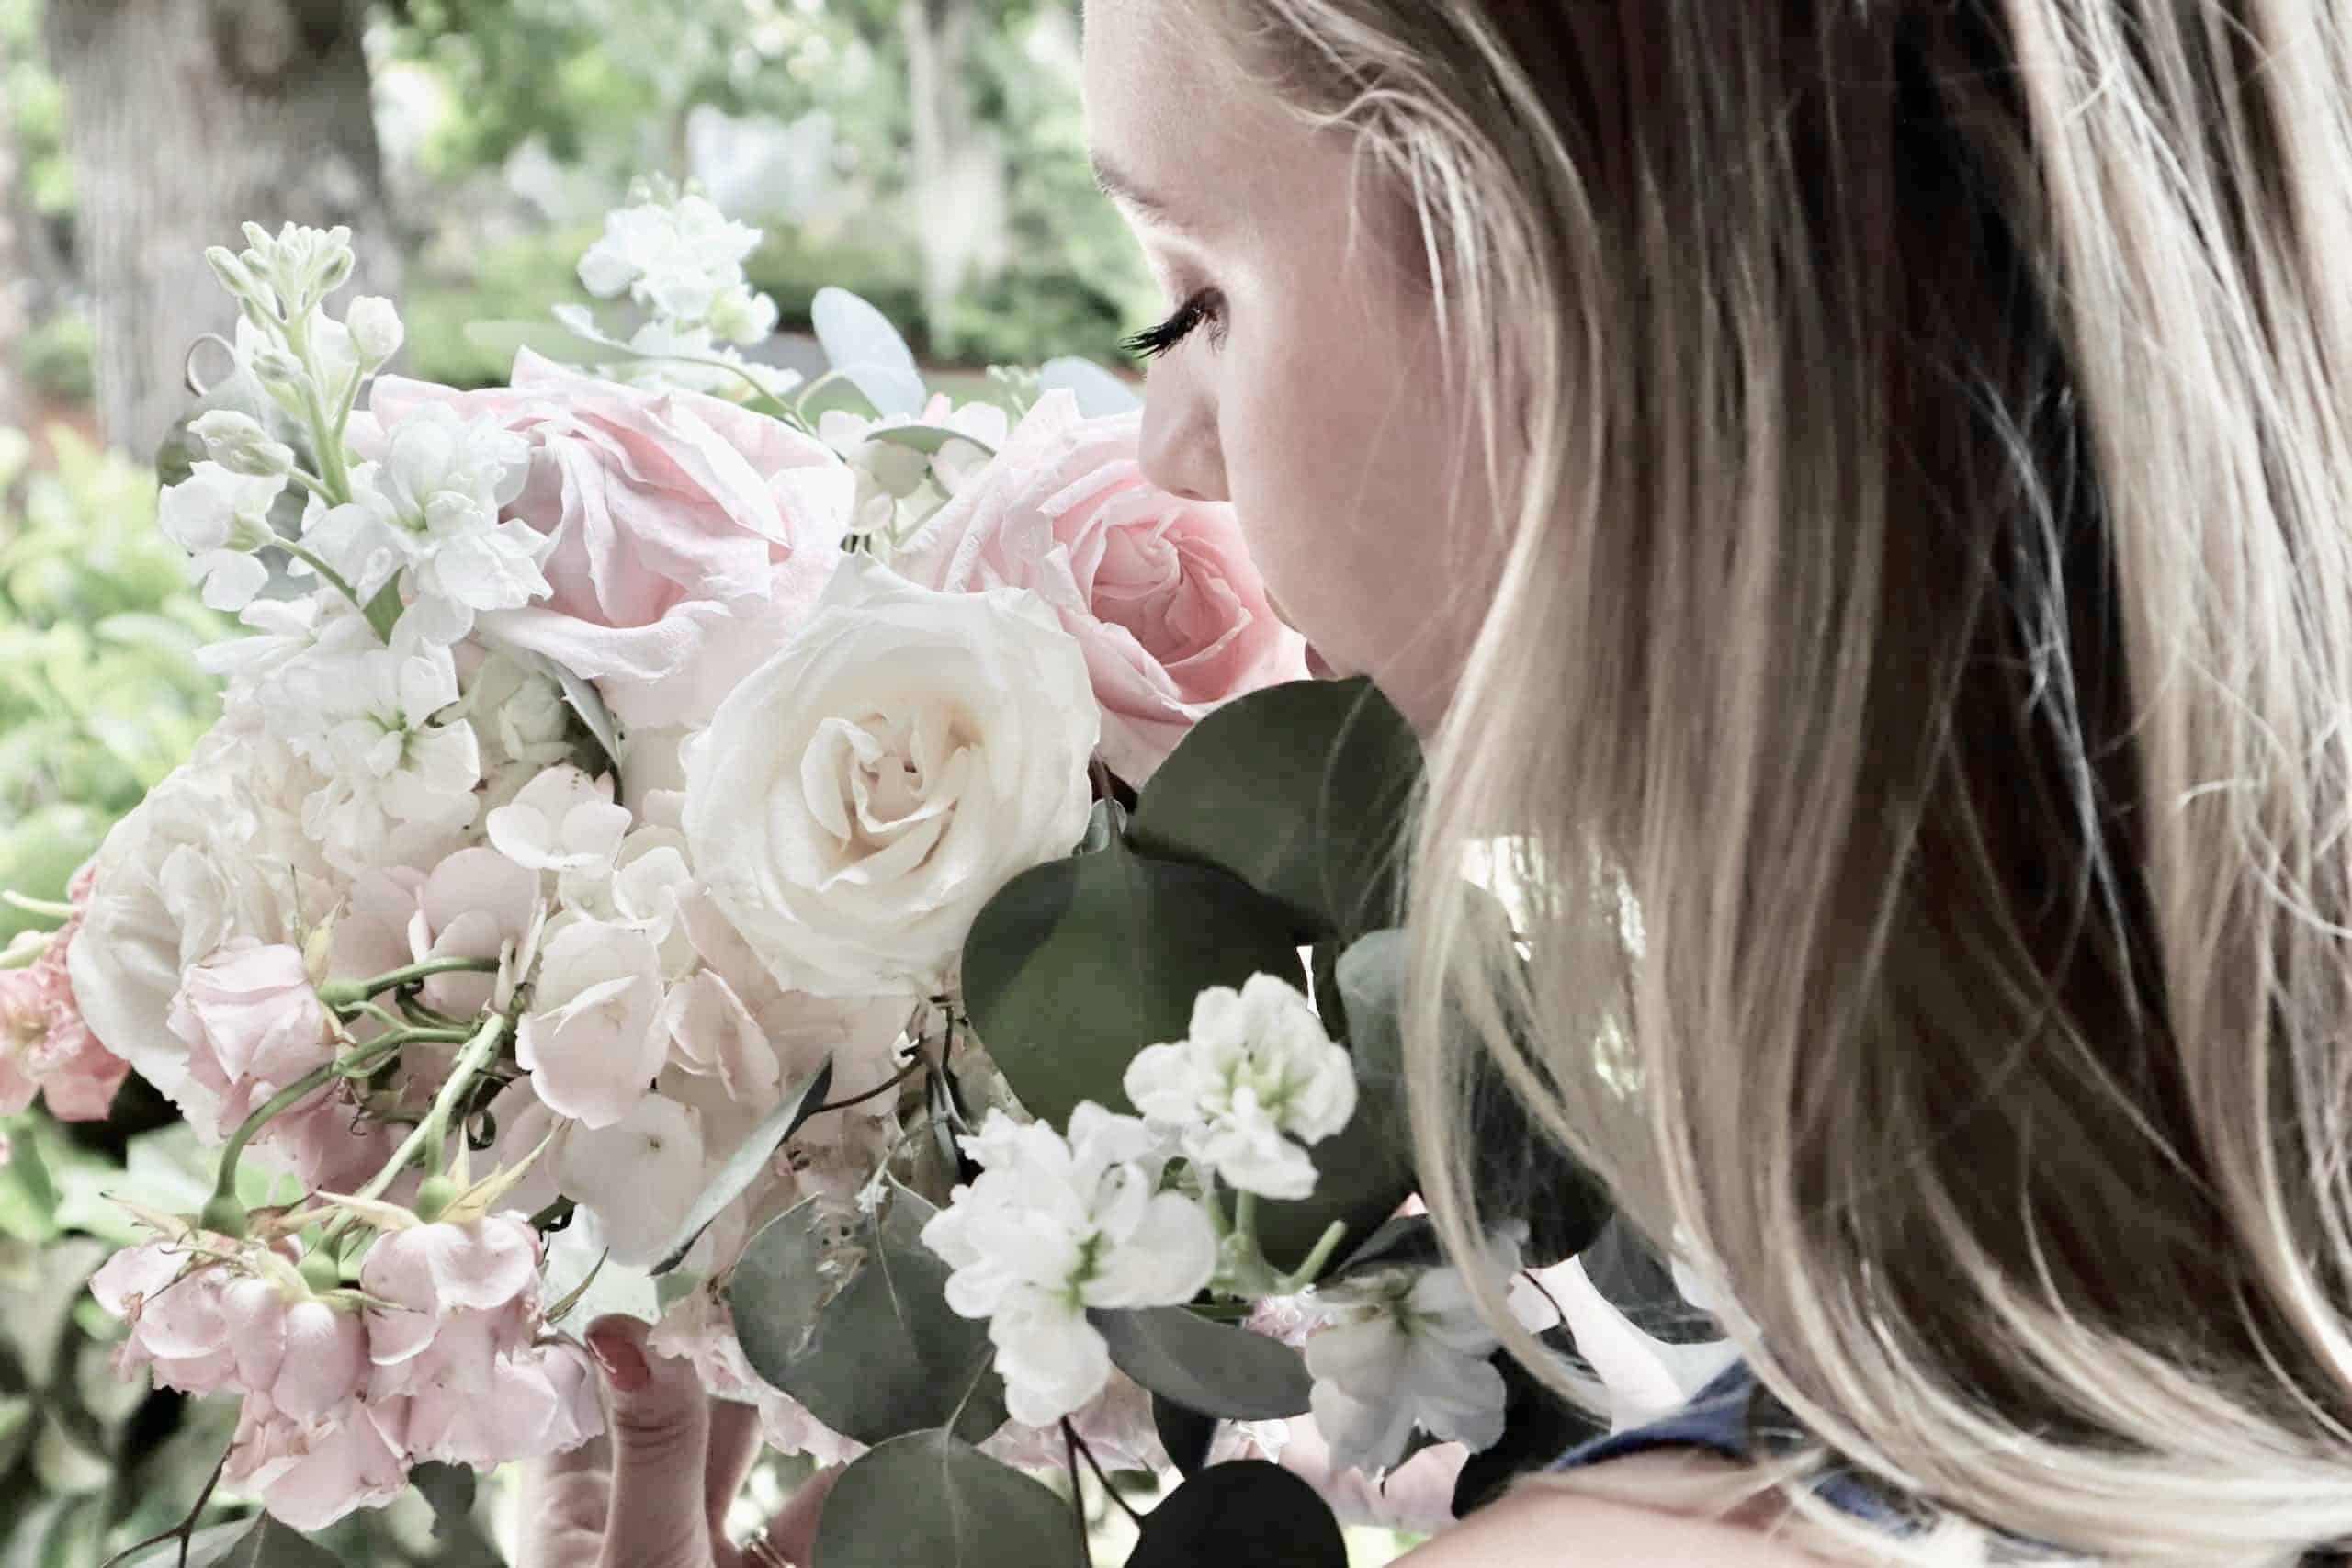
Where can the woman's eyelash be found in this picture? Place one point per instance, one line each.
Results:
(1199, 311)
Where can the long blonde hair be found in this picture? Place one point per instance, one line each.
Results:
(1927, 605)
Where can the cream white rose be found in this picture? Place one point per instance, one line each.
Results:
(859, 798)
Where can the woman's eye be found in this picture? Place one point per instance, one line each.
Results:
(1203, 309)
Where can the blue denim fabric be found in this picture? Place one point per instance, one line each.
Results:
(1716, 1419)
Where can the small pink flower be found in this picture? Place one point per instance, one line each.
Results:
(175, 1308)
(691, 536)
(1159, 590)
(252, 1023)
(306, 1356)
(463, 1296)
(45, 1047)
(540, 1403)
(309, 1472)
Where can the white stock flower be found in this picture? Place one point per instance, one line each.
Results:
(238, 443)
(1409, 1348)
(1255, 1080)
(400, 769)
(220, 517)
(433, 504)
(1054, 1227)
(859, 798)
(683, 259)
(591, 1043)
(375, 327)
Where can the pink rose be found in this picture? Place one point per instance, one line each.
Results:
(178, 1324)
(309, 1472)
(540, 1403)
(305, 1357)
(45, 1047)
(252, 1023)
(690, 535)
(1159, 590)
(461, 1297)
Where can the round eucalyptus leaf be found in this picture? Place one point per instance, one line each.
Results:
(862, 344)
(1214, 1368)
(1185, 1433)
(1101, 394)
(1301, 790)
(1245, 1514)
(851, 1318)
(1078, 963)
(928, 1498)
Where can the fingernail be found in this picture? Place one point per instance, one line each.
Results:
(623, 1363)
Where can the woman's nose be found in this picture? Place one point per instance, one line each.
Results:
(1180, 452)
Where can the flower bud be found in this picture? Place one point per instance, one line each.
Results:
(376, 329)
(275, 366)
(434, 1197)
(335, 267)
(248, 534)
(239, 443)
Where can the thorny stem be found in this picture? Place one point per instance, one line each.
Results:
(350, 993)
(471, 1062)
(901, 1075)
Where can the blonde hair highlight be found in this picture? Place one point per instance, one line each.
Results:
(1927, 599)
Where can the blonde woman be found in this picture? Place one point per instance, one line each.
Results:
(1866, 487)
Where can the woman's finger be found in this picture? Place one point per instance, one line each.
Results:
(734, 1444)
(793, 1531)
(660, 1439)
(565, 1500)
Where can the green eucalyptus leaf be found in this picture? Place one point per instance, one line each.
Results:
(1245, 1514)
(1406, 1240)
(1105, 826)
(1076, 964)
(37, 1316)
(745, 1165)
(17, 1413)
(262, 1544)
(925, 438)
(1214, 1368)
(27, 1196)
(1301, 790)
(77, 1537)
(849, 1315)
(68, 1466)
(864, 347)
(1184, 1432)
(929, 1498)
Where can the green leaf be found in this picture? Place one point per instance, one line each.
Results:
(27, 1196)
(1304, 791)
(1408, 1240)
(1184, 1432)
(1245, 1514)
(744, 1167)
(1214, 1368)
(263, 1543)
(926, 438)
(849, 1315)
(1105, 825)
(866, 350)
(1078, 965)
(38, 1315)
(928, 1498)
(16, 1429)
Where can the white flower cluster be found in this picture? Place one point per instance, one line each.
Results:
(682, 259)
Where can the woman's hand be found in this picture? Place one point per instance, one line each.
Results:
(654, 1491)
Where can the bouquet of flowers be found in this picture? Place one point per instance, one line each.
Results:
(870, 892)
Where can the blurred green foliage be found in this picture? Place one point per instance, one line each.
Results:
(99, 691)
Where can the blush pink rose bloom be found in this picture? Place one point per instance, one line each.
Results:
(461, 1297)
(252, 1024)
(1158, 590)
(540, 1403)
(309, 1472)
(45, 1047)
(179, 1327)
(691, 535)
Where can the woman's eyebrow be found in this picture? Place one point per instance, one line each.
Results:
(1121, 187)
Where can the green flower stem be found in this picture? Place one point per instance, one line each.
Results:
(478, 1050)
(326, 434)
(367, 1056)
(327, 574)
(344, 994)
(47, 908)
(1310, 1270)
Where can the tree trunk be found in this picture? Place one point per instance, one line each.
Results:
(186, 118)
(958, 187)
